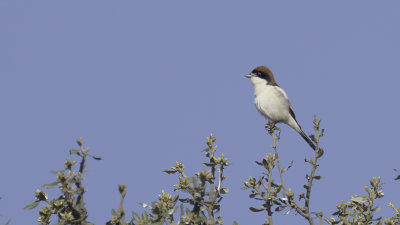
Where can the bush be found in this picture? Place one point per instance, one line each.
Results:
(203, 193)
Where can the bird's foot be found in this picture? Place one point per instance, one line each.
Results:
(270, 126)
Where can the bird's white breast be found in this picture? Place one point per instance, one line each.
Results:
(272, 102)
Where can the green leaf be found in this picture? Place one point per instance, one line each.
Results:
(144, 205)
(359, 199)
(135, 216)
(185, 200)
(32, 205)
(312, 137)
(113, 212)
(169, 171)
(144, 215)
(301, 196)
(280, 208)
(224, 190)
(256, 210)
(50, 185)
(290, 165)
(376, 209)
(265, 163)
(317, 177)
(209, 164)
(320, 152)
(57, 171)
(206, 150)
(74, 152)
(96, 158)
(397, 178)
(87, 223)
(172, 211)
(235, 223)
(252, 195)
(8, 222)
(158, 223)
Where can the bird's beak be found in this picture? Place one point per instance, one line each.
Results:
(249, 75)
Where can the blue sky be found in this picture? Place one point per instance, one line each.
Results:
(144, 82)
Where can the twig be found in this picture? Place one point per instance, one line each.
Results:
(302, 210)
(212, 194)
(269, 205)
(292, 201)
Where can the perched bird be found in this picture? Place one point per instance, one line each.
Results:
(272, 101)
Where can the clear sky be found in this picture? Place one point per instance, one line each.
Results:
(144, 82)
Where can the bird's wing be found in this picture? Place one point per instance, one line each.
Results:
(292, 113)
(287, 99)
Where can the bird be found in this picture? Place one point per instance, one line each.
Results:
(272, 102)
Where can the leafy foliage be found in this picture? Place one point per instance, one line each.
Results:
(69, 206)
(277, 197)
(202, 193)
(361, 209)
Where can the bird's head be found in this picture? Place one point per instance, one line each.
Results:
(261, 75)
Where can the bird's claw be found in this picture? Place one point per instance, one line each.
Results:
(270, 126)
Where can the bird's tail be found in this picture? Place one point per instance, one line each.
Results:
(307, 139)
(293, 123)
